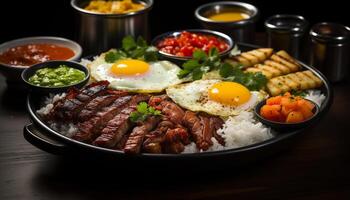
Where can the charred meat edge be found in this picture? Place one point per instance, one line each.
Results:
(135, 140)
(72, 104)
(99, 102)
(119, 125)
(91, 128)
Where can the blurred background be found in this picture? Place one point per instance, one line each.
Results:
(56, 17)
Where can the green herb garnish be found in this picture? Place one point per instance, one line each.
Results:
(133, 49)
(142, 112)
(298, 93)
(202, 63)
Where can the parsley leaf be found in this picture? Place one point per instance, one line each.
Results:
(298, 93)
(202, 63)
(142, 112)
(133, 49)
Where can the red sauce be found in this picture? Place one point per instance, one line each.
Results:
(30, 54)
(186, 43)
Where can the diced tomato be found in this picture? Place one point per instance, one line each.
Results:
(186, 43)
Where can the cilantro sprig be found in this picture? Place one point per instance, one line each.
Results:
(234, 73)
(135, 49)
(202, 63)
(143, 110)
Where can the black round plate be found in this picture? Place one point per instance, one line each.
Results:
(42, 136)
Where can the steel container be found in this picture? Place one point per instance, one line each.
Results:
(330, 49)
(98, 32)
(286, 32)
(239, 31)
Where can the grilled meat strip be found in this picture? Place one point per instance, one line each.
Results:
(171, 110)
(69, 108)
(119, 125)
(134, 143)
(154, 140)
(99, 102)
(90, 129)
(175, 140)
(216, 123)
(198, 129)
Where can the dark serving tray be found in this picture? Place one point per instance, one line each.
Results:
(42, 136)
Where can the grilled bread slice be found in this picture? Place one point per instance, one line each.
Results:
(250, 58)
(295, 81)
(278, 64)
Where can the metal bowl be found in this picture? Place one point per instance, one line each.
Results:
(13, 73)
(182, 59)
(240, 31)
(99, 32)
(280, 126)
(27, 73)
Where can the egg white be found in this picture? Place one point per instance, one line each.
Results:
(161, 74)
(194, 96)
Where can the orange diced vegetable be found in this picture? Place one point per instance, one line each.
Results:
(287, 108)
(274, 100)
(307, 113)
(295, 117)
(271, 112)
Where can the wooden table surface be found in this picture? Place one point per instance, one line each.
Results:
(315, 167)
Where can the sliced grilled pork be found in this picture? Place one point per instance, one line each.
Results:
(175, 140)
(69, 107)
(155, 139)
(134, 143)
(91, 128)
(216, 123)
(195, 126)
(171, 110)
(119, 125)
(99, 102)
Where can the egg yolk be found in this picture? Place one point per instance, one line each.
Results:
(229, 93)
(129, 67)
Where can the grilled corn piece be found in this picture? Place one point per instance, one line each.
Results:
(250, 58)
(278, 64)
(296, 81)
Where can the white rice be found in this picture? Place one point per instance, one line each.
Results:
(315, 96)
(64, 129)
(238, 131)
(85, 62)
(49, 101)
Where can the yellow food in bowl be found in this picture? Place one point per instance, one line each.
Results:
(229, 16)
(114, 7)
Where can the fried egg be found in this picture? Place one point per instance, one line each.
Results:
(136, 75)
(215, 97)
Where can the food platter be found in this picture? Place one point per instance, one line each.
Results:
(41, 135)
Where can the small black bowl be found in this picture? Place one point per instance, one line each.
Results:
(27, 73)
(181, 59)
(280, 126)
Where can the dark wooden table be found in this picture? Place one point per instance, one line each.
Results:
(315, 167)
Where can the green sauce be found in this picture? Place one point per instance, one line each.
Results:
(56, 77)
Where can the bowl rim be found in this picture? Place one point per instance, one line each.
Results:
(252, 18)
(38, 66)
(148, 6)
(287, 125)
(218, 34)
(36, 40)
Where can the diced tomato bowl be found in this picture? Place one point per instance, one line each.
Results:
(180, 45)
